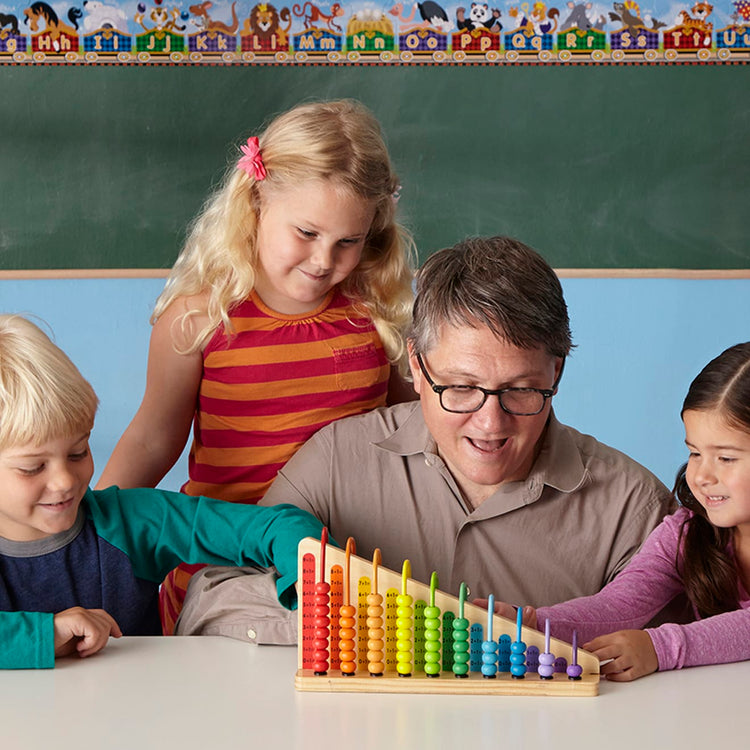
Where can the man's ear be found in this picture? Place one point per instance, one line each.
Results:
(559, 365)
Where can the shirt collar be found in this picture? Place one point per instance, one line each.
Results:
(558, 464)
(411, 436)
(47, 544)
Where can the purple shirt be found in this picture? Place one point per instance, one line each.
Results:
(641, 590)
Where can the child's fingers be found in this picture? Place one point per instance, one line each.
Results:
(625, 655)
(97, 629)
(83, 631)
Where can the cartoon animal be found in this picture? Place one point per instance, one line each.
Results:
(629, 14)
(160, 18)
(432, 15)
(264, 22)
(701, 11)
(311, 14)
(579, 19)
(204, 22)
(40, 11)
(101, 16)
(435, 15)
(8, 19)
(538, 21)
(480, 16)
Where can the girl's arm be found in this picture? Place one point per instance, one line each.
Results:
(716, 640)
(158, 432)
(646, 585)
(635, 653)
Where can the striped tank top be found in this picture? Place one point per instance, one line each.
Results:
(269, 387)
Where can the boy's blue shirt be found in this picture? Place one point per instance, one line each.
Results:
(117, 553)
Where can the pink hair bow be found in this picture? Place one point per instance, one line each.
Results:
(252, 161)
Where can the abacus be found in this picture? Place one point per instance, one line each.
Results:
(397, 635)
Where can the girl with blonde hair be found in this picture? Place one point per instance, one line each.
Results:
(284, 311)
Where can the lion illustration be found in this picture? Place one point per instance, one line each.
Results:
(264, 23)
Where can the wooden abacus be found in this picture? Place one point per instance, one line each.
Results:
(388, 639)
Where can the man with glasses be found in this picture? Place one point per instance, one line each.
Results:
(478, 481)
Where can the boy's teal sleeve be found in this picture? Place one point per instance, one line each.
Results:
(159, 529)
(27, 640)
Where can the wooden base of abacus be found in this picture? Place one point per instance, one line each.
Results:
(390, 682)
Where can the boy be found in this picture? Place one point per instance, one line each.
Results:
(76, 565)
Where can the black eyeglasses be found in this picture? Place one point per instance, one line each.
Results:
(464, 399)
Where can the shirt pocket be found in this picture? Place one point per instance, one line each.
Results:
(359, 366)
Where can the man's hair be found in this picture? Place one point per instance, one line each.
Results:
(498, 282)
(43, 396)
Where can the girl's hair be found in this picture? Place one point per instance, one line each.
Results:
(43, 396)
(335, 140)
(708, 570)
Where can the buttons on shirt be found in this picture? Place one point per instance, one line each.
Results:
(251, 634)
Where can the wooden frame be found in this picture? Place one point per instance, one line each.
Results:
(390, 585)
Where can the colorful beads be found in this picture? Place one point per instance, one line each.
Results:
(574, 670)
(432, 633)
(489, 645)
(518, 650)
(396, 634)
(546, 660)
(375, 630)
(404, 624)
(461, 638)
(347, 633)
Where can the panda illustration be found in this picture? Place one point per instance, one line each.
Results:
(480, 16)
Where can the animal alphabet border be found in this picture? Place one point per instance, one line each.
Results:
(364, 32)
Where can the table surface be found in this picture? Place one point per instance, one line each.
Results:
(214, 693)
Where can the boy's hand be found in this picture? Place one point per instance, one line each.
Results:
(510, 612)
(83, 631)
(632, 653)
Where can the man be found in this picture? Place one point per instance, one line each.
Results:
(478, 481)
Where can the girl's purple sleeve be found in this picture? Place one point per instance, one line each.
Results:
(645, 586)
(715, 640)
(640, 591)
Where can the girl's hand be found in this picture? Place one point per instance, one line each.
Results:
(510, 612)
(84, 631)
(631, 651)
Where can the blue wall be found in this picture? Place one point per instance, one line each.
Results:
(639, 344)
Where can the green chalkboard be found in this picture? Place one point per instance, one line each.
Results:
(638, 166)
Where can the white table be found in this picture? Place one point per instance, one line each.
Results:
(214, 693)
